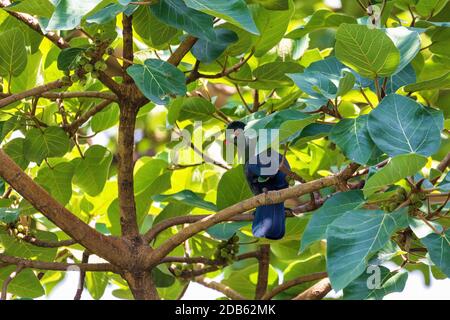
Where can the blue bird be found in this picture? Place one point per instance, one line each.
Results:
(270, 220)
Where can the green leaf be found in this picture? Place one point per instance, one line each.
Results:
(390, 282)
(272, 26)
(162, 279)
(370, 52)
(69, 57)
(354, 237)
(21, 249)
(400, 125)
(15, 149)
(233, 11)
(186, 197)
(57, 181)
(105, 119)
(332, 209)
(207, 51)
(274, 75)
(427, 8)
(399, 167)
(273, 4)
(176, 14)
(40, 144)
(91, 172)
(68, 13)
(2, 186)
(232, 188)
(13, 53)
(224, 231)
(40, 8)
(407, 42)
(25, 284)
(148, 173)
(96, 283)
(158, 79)
(443, 82)
(438, 246)
(9, 215)
(352, 136)
(106, 14)
(196, 109)
(149, 28)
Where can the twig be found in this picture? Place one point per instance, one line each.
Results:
(46, 244)
(263, 271)
(227, 291)
(316, 292)
(84, 259)
(8, 280)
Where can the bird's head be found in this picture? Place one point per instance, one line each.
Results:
(234, 129)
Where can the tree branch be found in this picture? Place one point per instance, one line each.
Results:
(259, 200)
(75, 125)
(316, 292)
(109, 248)
(46, 244)
(58, 266)
(84, 259)
(227, 291)
(263, 270)
(182, 50)
(294, 282)
(80, 94)
(128, 56)
(8, 281)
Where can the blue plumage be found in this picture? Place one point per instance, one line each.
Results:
(263, 174)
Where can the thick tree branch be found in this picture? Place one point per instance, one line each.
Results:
(127, 204)
(263, 270)
(294, 282)
(259, 200)
(227, 291)
(128, 56)
(316, 292)
(36, 91)
(109, 248)
(182, 50)
(80, 94)
(58, 266)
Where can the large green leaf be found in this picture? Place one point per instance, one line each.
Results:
(226, 230)
(332, 209)
(151, 29)
(399, 167)
(13, 54)
(272, 26)
(58, 181)
(207, 51)
(148, 173)
(438, 246)
(408, 44)
(274, 75)
(68, 13)
(352, 136)
(370, 52)
(91, 172)
(232, 188)
(175, 13)
(44, 143)
(400, 125)
(196, 109)
(186, 197)
(69, 57)
(15, 149)
(25, 284)
(354, 237)
(158, 79)
(96, 283)
(427, 8)
(40, 8)
(389, 282)
(233, 11)
(105, 119)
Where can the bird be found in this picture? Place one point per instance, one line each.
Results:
(269, 220)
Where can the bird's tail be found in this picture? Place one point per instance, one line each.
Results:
(269, 221)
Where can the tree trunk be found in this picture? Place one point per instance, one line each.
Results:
(128, 220)
(142, 286)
